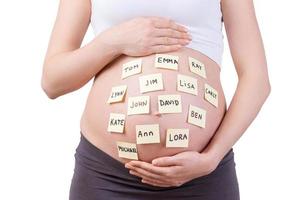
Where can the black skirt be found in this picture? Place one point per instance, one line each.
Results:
(98, 176)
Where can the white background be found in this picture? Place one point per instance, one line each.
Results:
(38, 136)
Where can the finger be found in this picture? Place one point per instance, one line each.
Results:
(166, 161)
(169, 183)
(168, 41)
(155, 183)
(165, 48)
(167, 32)
(168, 23)
(175, 172)
(149, 167)
(146, 173)
(160, 181)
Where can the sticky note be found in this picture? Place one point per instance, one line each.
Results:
(138, 105)
(131, 68)
(166, 61)
(117, 94)
(197, 67)
(169, 103)
(151, 82)
(127, 150)
(211, 95)
(116, 122)
(187, 84)
(197, 116)
(177, 137)
(147, 133)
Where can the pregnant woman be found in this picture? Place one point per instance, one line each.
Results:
(156, 124)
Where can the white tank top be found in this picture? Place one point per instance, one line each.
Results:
(203, 18)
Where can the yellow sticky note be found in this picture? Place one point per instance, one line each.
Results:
(131, 68)
(166, 61)
(169, 103)
(117, 94)
(197, 116)
(187, 84)
(127, 150)
(116, 122)
(211, 95)
(151, 82)
(197, 67)
(147, 133)
(138, 105)
(177, 137)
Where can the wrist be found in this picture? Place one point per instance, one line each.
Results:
(212, 160)
(213, 152)
(105, 44)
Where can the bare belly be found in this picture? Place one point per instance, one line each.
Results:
(96, 116)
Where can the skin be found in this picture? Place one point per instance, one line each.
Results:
(93, 123)
(248, 55)
(68, 67)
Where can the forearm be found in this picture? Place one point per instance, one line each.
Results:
(241, 112)
(68, 71)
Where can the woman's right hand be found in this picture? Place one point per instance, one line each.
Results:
(143, 36)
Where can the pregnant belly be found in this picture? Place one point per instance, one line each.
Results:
(157, 105)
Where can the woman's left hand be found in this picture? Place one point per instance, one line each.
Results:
(173, 170)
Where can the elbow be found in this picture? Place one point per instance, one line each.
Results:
(260, 80)
(268, 88)
(266, 85)
(260, 85)
(48, 89)
(48, 85)
(50, 81)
